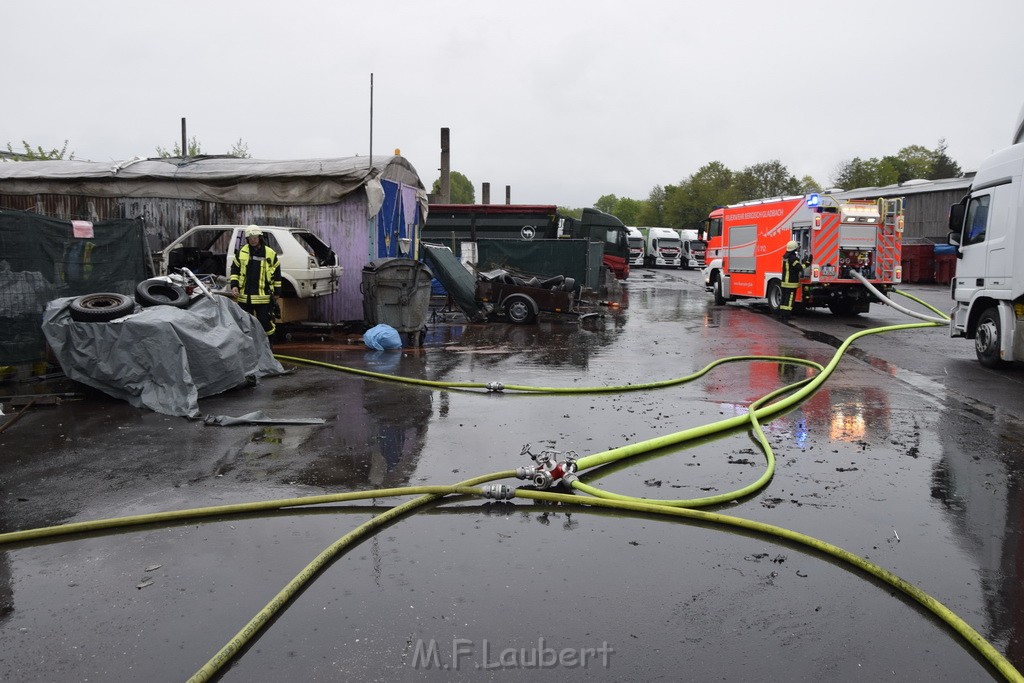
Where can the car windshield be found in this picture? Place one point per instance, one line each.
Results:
(316, 248)
(207, 240)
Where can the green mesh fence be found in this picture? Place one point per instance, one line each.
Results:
(45, 258)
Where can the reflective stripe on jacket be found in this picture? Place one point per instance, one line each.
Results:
(269, 281)
(792, 268)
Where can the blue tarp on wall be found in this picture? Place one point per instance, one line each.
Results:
(389, 221)
(398, 219)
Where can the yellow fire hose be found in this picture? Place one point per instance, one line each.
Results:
(766, 407)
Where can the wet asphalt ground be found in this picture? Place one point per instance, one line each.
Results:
(911, 456)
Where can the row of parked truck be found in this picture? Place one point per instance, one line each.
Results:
(665, 247)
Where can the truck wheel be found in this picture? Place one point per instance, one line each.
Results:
(100, 308)
(774, 296)
(519, 309)
(155, 292)
(716, 287)
(987, 339)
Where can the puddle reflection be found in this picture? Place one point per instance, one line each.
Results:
(845, 413)
(978, 484)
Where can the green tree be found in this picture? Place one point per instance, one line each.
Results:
(689, 203)
(768, 179)
(627, 210)
(606, 203)
(917, 162)
(910, 163)
(808, 185)
(855, 173)
(652, 212)
(38, 153)
(460, 186)
(891, 170)
(570, 213)
(942, 165)
(238, 149)
(194, 149)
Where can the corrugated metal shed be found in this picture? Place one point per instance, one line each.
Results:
(339, 199)
(926, 205)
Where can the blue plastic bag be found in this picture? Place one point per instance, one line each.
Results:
(382, 337)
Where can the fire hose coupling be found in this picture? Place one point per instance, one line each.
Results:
(543, 479)
(499, 492)
(496, 387)
(526, 472)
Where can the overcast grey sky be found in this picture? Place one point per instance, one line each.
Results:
(563, 101)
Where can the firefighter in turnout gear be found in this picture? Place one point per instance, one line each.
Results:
(792, 268)
(256, 279)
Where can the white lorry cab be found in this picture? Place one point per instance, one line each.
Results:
(309, 267)
(662, 247)
(693, 250)
(636, 245)
(987, 227)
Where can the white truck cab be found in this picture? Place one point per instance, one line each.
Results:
(694, 250)
(309, 267)
(636, 245)
(662, 248)
(987, 227)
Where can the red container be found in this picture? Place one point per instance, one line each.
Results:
(945, 268)
(918, 261)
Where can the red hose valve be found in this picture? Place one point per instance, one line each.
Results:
(548, 471)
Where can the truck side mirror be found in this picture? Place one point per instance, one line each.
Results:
(957, 212)
(956, 218)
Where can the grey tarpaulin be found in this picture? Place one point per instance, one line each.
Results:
(214, 179)
(259, 417)
(162, 358)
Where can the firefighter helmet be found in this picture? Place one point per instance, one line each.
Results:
(253, 231)
(792, 246)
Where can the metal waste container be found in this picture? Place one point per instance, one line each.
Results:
(396, 292)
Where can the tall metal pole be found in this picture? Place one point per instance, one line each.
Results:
(371, 120)
(184, 149)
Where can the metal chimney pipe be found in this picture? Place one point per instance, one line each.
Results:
(445, 189)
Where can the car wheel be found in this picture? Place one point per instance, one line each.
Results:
(716, 287)
(774, 296)
(519, 310)
(100, 308)
(156, 292)
(987, 339)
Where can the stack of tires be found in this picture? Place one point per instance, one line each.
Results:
(106, 306)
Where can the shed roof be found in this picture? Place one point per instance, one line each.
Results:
(907, 188)
(211, 178)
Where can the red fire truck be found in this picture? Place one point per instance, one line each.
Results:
(746, 243)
